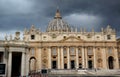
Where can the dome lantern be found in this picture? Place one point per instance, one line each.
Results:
(57, 15)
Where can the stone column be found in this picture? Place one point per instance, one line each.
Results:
(9, 64)
(68, 58)
(77, 63)
(49, 55)
(86, 58)
(83, 57)
(58, 58)
(27, 61)
(104, 58)
(116, 63)
(62, 59)
(23, 64)
(5, 57)
(94, 57)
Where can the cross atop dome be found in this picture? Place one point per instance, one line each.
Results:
(57, 15)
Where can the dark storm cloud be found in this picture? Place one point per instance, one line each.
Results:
(18, 14)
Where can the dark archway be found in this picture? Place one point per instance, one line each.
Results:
(90, 64)
(16, 64)
(110, 62)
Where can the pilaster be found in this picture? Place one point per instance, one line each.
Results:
(77, 63)
(83, 57)
(68, 58)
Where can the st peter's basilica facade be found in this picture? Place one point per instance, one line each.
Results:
(61, 47)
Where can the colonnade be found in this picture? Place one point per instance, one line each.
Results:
(23, 63)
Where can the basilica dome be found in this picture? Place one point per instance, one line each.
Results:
(57, 24)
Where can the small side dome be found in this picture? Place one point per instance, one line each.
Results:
(57, 24)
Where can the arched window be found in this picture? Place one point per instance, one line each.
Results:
(32, 64)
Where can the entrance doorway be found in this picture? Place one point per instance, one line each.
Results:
(80, 65)
(54, 64)
(65, 66)
(90, 64)
(110, 62)
(72, 64)
(16, 64)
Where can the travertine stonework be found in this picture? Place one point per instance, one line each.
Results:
(61, 47)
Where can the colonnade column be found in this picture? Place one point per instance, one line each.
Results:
(62, 60)
(6, 60)
(49, 55)
(83, 57)
(27, 61)
(9, 64)
(116, 63)
(104, 58)
(94, 57)
(23, 64)
(68, 58)
(58, 58)
(77, 63)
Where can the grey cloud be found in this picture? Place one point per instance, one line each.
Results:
(18, 15)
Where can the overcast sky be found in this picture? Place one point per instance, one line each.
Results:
(15, 15)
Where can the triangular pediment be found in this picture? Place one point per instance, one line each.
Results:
(71, 39)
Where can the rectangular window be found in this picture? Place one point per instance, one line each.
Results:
(54, 51)
(32, 37)
(108, 37)
(32, 51)
(109, 50)
(90, 52)
(64, 51)
(72, 51)
(79, 51)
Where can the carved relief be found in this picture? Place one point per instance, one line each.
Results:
(44, 58)
(99, 58)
